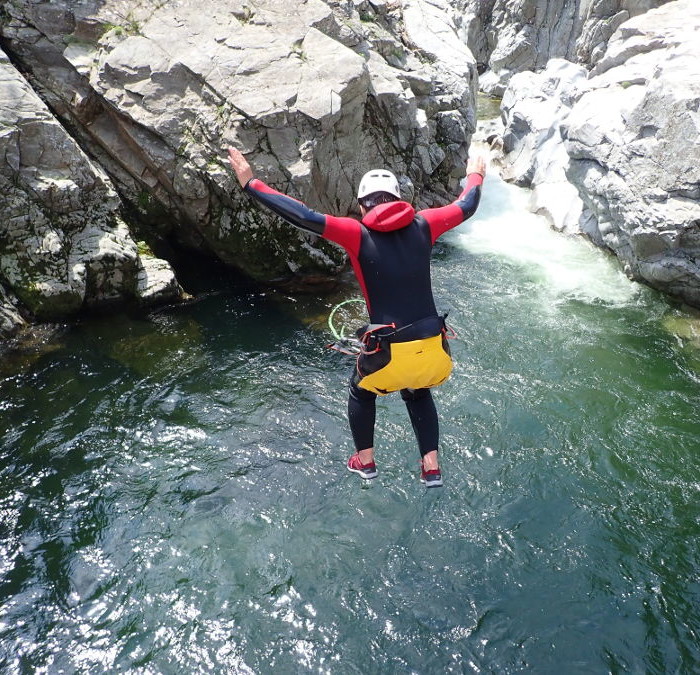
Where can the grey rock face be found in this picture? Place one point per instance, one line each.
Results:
(155, 281)
(510, 37)
(11, 320)
(314, 94)
(628, 139)
(533, 108)
(63, 245)
(634, 143)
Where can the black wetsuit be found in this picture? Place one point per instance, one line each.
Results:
(390, 254)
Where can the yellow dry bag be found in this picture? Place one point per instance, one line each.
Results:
(417, 364)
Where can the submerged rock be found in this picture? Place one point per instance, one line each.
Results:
(628, 139)
(27, 346)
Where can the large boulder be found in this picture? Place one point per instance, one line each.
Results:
(313, 93)
(533, 108)
(63, 244)
(634, 143)
(511, 37)
(616, 156)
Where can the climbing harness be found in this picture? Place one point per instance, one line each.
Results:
(419, 363)
(415, 356)
(416, 364)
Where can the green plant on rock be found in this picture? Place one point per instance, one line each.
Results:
(215, 163)
(144, 249)
(299, 50)
(73, 40)
(221, 112)
(245, 15)
(129, 26)
(144, 199)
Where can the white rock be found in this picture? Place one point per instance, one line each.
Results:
(156, 281)
(511, 37)
(533, 107)
(627, 139)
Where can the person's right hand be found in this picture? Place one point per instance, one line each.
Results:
(476, 165)
(240, 166)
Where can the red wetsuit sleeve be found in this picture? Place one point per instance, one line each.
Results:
(444, 218)
(343, 231)
(346, 232)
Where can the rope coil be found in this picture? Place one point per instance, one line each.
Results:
(347, 344)
(340, 335)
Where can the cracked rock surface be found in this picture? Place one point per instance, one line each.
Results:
(63, 244)
(151, 93)
(510, 37)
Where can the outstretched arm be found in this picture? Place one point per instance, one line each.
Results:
(476, 165)
(445, 218)
(293, 211)
(343, 231)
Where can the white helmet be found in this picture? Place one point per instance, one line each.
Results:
(378, 180)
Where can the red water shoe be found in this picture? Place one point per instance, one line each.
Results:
(365, 471)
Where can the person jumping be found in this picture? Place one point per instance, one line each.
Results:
(404, 346)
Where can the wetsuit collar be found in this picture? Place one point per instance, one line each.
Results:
(389, 217)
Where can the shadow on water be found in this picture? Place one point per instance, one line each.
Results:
(173, 493)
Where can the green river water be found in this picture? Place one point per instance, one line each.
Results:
(174, 498)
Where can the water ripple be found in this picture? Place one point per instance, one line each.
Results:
(173, 492)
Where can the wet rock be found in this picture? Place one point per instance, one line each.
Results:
(27, 345)
(155, 281)
(11, 320)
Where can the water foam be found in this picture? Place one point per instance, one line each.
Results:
(566, 267)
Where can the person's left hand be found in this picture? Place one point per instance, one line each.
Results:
(476, 165)
(240, 166)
